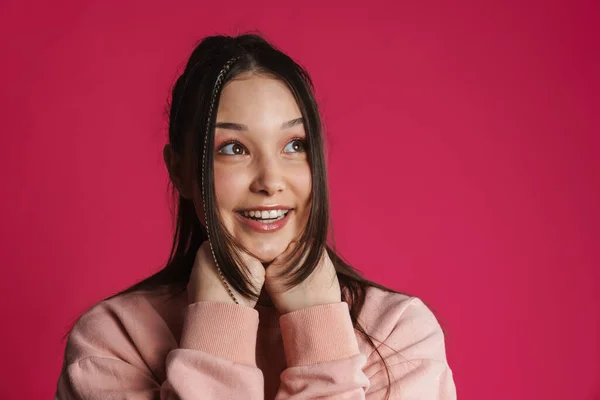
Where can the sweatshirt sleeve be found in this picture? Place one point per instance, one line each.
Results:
(113, 353)
(324, 360)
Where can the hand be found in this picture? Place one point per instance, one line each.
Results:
(321, 287)
(206, 285)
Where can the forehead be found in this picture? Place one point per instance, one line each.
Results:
(257, 99)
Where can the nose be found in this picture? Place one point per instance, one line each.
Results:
(269, 176)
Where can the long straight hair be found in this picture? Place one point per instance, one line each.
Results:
(195, 96)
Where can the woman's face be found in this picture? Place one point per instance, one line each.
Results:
(262, 176)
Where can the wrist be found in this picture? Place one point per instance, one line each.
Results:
(197, 298)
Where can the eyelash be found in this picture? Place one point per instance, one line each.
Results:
(233, 141)
(227, 143)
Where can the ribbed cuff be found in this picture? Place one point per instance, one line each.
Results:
(221, 329)
(318, 334)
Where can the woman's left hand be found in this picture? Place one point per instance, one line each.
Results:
(321, 287)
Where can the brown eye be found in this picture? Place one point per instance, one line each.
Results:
(295, 146)
(233, 149)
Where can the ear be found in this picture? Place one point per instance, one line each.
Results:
(175, 166)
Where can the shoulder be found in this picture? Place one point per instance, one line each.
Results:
(384, 308)
(402, 322)
(121, 326)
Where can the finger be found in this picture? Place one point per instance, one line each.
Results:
(284, 258)
(254, 266)
(248, 258)
(204, 255)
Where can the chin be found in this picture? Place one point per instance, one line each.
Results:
(267, 252)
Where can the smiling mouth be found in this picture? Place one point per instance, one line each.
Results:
(265, 216)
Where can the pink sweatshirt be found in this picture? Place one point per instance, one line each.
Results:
(140, 346)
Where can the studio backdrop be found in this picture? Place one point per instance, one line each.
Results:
(463, 154)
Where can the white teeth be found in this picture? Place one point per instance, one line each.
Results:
(265, 215)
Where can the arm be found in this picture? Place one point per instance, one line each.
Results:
(109, 355)
(324, 360)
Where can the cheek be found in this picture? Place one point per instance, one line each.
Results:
(302, 182)
(230, 187)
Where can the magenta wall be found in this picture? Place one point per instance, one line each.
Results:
(464, 147)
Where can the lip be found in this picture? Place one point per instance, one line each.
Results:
(266, 208)
(263, 227)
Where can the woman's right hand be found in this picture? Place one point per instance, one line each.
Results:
(205, 283)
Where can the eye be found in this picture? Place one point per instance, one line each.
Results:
(295, 146)
(233, 149)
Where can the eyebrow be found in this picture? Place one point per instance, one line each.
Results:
(241, 127)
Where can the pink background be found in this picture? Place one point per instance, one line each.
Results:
(463, 153)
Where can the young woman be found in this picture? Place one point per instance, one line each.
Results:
(253, 303)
